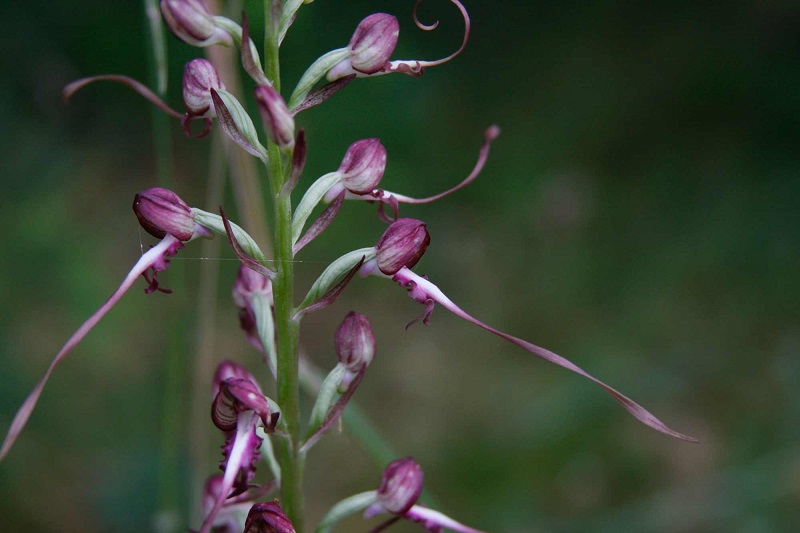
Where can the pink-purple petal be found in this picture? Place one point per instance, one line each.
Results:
(406, 278)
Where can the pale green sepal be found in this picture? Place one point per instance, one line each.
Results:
(316, 72)
(214, 223)
(231, 28)
(268, 453)
(290, 9)
(244, 134)
(311, 198)
(345, 508)
(335, 272)
(327, 396)
(265, 324)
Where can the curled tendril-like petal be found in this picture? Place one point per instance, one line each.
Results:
(186, 124)
(416, 67)
(139, 87)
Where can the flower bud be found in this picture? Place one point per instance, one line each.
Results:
(161, 212)
(199, 77)
(190, 20)
(278, 122)
(355, 342)
(373, 42)
(401, 245)
(237, 396)
(363, 165)
(401, 485)
(249, 282)
(229, 370)
(267, 518)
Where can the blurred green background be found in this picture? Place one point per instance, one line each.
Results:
(637, 215)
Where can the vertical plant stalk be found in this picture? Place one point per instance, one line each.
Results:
(170, 511)
(287, 328)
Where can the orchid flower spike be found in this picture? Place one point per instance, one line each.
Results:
(399, 249)
(192, 22)
(374, 41)
(237, 409)
(162, 214)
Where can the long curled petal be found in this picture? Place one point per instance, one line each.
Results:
(139, 87)
(423, 290)
(148, 260)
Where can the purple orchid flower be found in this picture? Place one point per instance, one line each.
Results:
(393, 199)
(398, 492)
(374, 41)
(232, 515)
(162, 214)
(199, 78)
(237, 409)
(399, 249)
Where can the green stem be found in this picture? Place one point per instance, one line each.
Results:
(286, 327)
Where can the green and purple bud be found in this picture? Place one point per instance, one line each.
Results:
(355, 346)
(402, 245)
(370, 47)
(199, 77)
(267, 518)
(278, 121)
(193, 23)
(363, 166)
(401, 485)
(161, 212)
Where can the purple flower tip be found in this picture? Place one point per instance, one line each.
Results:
(363, 166)
(355, 342)
(190, 20)
(278, 121)
(249, 282)
(401, 485)
(373, 42)
(199, 77)
(402, 245)
(162, 212)
(267, 518)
